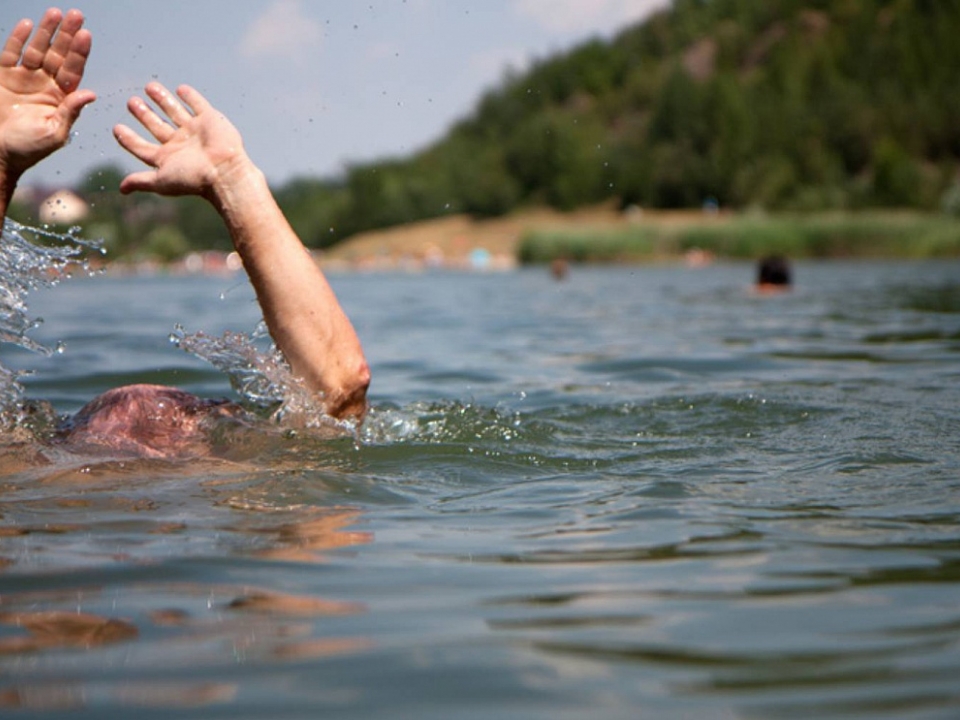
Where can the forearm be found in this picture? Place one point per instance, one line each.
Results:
(8, 184)
(299, 306)
(199, 152)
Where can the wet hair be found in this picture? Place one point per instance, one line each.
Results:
(773, 270)
(144, 421)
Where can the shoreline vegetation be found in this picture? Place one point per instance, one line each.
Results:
(834, 235)
(605, 235)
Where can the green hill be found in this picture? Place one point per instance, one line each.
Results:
(781, 104)
(778, 104)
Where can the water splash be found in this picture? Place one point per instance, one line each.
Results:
(260, 374)
(446, 423)
(31, 258)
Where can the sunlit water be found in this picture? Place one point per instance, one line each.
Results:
(640, 492)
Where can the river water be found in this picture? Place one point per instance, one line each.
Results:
(638, 492)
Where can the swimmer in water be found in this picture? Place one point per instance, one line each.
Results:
(773, 274)
(193, 150)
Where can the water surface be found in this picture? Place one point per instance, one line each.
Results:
(641, 492)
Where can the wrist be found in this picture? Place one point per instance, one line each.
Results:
(232, 180)
(9, 177)
(242, 197)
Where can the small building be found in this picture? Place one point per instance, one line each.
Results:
(64, 207)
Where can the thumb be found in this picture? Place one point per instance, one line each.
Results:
(145, 180)
(75, 102)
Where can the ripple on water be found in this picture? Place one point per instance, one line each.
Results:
(772, 539)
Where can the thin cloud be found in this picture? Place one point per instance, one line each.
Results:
(568, 16)
(282, 32)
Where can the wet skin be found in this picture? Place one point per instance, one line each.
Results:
(151, 421)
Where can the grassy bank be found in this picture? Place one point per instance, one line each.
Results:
(860, 235)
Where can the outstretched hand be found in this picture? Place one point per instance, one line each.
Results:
(39, 81)
(196, 148)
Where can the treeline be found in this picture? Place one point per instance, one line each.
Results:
(778, 104)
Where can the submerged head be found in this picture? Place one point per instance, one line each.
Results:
(151, 421)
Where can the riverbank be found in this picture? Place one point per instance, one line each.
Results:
(867, 235)
(604, 234)
(459, 241)
(453, 241)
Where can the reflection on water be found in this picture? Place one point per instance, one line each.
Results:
(640, 492)
(109, 584)
(52, 629)
(200, 623)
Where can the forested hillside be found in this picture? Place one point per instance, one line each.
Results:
(780, 104)
(800, 104)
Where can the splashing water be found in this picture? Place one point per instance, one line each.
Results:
(31, 258)
(260, 376)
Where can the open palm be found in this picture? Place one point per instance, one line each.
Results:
(39, 99)
(196, 144)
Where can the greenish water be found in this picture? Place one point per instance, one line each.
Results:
(640, 492)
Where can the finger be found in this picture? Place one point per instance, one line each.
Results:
(152, 122)
(193, 99)
(71, 69)
(38, 46)
(13, 48)
(74, 103)
(173, 108)
(136, 145)
(143, 180)
(60, 47)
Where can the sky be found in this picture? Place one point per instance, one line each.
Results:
(314, 85)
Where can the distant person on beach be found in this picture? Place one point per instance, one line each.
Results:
(773, 274)
(194, 150)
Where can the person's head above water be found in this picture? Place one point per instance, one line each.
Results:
(145, 421)
(193, 150)
(773, 273)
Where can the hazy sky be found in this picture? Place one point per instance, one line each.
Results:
(315, 84)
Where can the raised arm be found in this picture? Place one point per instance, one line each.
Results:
(39, 95)
(199, 152)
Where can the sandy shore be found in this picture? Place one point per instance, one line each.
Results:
(453, 241)
(460, 241)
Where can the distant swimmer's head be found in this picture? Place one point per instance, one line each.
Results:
(149, 421)
(773, 273)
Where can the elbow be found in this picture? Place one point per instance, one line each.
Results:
(349, 401)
